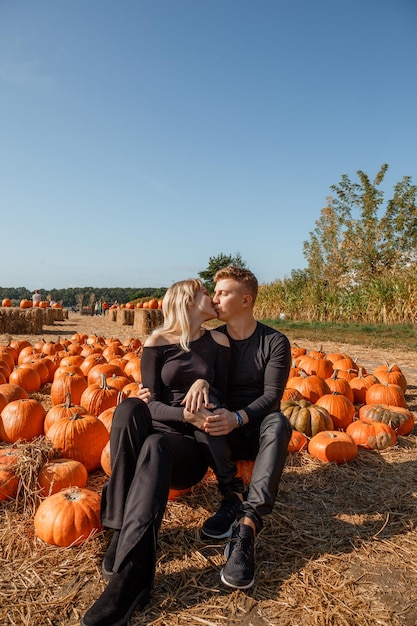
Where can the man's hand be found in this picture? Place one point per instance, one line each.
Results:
(220, 422)
(197, 418)
(197, 396)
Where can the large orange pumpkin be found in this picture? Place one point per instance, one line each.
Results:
(22, 420)
(80, 437)
(68, 517)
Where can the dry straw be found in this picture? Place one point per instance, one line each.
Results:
(339, 549)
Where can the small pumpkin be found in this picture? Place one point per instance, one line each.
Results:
(340, 408)
(333, 446)
(310, 387)
(372, 435)
(69, 517)
(385, 393)
(9, 480)
(298, 442)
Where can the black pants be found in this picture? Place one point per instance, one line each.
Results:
(267, 445)
(145, 464)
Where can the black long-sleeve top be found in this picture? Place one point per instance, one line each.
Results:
(259, 371)
(168, 371)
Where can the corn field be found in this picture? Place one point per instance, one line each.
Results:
(383, 300)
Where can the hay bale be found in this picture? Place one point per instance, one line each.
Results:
(21, 321)
(145, 320)
(125, 317)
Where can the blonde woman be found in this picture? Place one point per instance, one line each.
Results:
(160, 445)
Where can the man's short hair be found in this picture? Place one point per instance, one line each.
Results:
(241, 275)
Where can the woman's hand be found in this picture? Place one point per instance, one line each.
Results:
(197, 418)
(197, 396)
(144, 393)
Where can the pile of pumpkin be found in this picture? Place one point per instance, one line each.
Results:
(334, 405)
(86, 376)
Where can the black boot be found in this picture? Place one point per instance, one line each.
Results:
(129, 588)
(110, 555)
(126, 591)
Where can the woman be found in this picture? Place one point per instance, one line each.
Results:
(154, 448)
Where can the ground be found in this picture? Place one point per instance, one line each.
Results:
(339, 548)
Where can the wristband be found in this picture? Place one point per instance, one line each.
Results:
(239, 419)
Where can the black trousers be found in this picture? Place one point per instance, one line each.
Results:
(145, 464)
(266, 444)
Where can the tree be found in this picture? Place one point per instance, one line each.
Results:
(354, 240)
(217, 263)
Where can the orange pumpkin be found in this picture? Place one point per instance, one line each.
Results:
(298, 442)
(6, 302)
(311, 387)
(340, 409)
(244, 470)
(9, 481)
(68, 517)
(333, 446)
(61, 474)
(391, 374)
(22, 420)
(70, 382)
(372, 435)
(62, 411)
(385, 393)
(13, 392)
(105, 461)
(80, 437)
(26, 377)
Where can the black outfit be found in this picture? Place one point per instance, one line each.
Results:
(259, 371)
(152, 448)
(150, 455)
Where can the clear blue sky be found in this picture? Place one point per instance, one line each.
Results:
(138, 138)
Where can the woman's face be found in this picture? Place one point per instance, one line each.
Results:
(204, 304)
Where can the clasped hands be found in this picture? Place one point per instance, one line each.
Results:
(218, 421)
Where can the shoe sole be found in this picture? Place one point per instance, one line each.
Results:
(233, 585)
(225, 535)
(228, 583)
(139, 603)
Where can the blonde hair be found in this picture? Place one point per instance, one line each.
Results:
(175, 309)
(241, 275)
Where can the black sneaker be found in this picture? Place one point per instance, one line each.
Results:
(239, 571)
(221, 524)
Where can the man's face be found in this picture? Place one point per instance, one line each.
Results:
(228, 299)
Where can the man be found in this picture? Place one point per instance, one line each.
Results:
(256, 428)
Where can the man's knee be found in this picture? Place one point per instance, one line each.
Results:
(276, 425)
